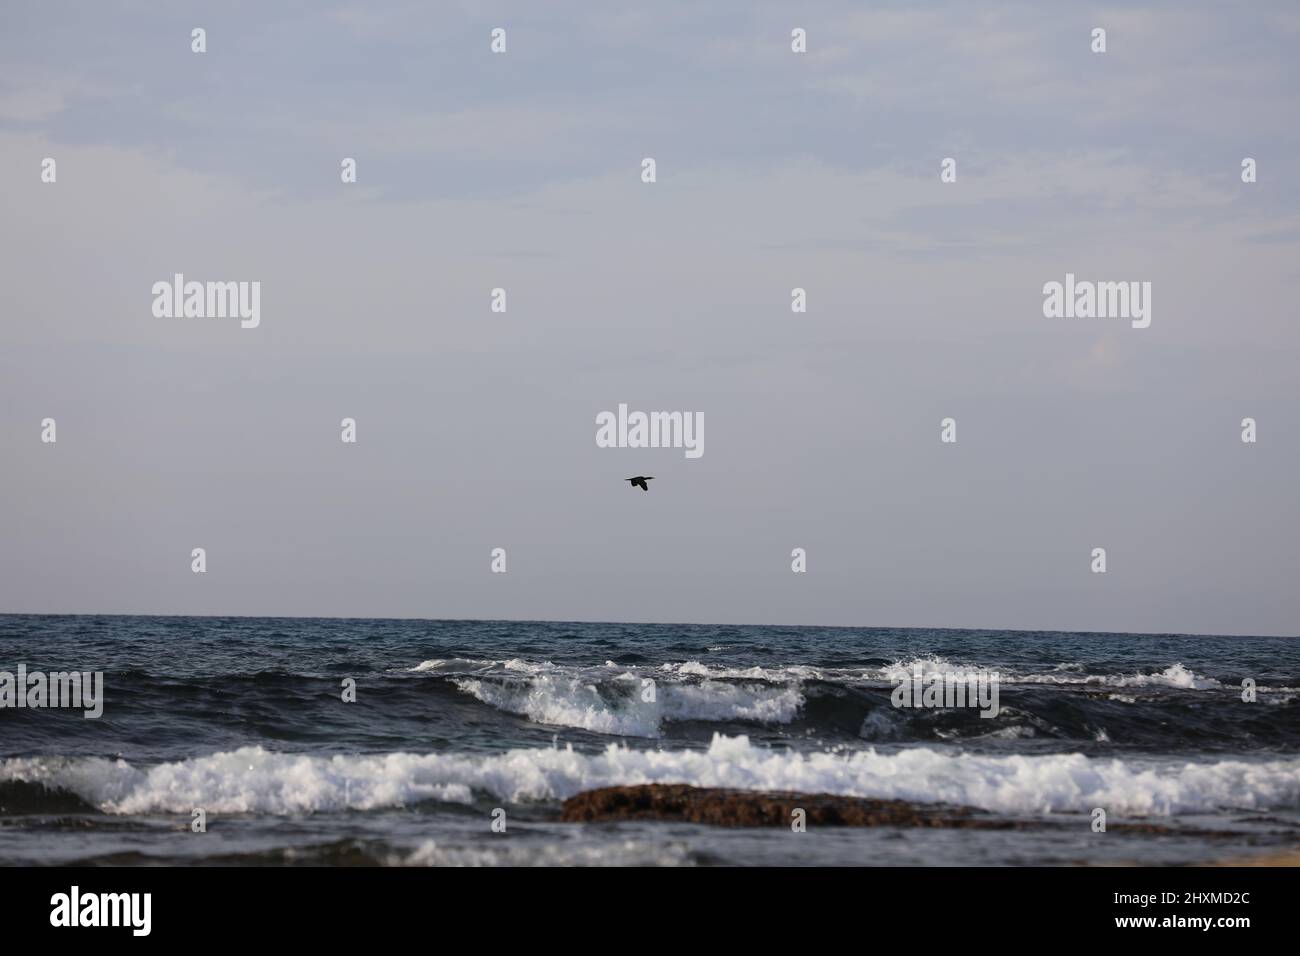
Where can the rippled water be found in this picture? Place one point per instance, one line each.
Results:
(244, 718)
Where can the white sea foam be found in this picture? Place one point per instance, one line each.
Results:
(793, 672)
(253, 780)
(574, 702)
(604, 699)
(904, 670)
(1175, 675)
(624, 853)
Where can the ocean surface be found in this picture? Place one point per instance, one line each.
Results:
(244, 718)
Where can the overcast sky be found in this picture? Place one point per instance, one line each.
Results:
(775, 170)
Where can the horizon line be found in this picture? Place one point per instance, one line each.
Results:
(506, 620)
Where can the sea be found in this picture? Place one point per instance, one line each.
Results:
(385, 742)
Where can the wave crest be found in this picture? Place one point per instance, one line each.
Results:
(254, 780)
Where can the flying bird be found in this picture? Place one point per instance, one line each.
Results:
(640, 481)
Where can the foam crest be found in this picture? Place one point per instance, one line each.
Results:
(623, 710)
(254, 780)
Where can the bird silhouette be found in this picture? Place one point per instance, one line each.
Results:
(640, 481)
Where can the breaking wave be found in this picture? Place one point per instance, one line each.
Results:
(254, 780)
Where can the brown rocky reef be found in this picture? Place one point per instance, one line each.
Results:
(750, 808)
(755, 808)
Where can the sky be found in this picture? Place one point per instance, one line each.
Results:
(774, 170)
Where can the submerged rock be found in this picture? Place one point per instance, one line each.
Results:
(719, 806)
(750, 808)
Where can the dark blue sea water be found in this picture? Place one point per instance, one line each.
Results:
(244, 719)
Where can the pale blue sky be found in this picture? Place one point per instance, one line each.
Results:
(775, 170)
